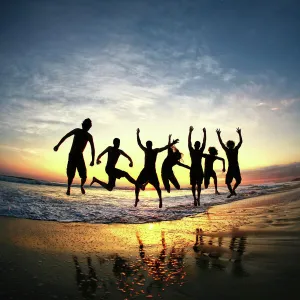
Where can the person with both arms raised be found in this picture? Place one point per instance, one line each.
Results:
(148, 174)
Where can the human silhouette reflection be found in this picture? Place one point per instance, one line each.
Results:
(208, 255)
(87, 283)
(148, 174)
(163, 272)
(76, 159)
(196, 173)
(238, 247)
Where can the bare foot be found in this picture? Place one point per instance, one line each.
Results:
(136, 202)
(160, 203)
(68, 192)
(217, 193)
(82, 190)
(93, 181)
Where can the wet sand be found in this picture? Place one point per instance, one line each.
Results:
(246, 249)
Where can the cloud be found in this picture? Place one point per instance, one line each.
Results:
(275, 172)
(32, 151)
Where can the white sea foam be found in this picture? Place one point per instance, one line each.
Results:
(48, 201)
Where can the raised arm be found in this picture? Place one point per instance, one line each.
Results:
(128, 157)
(92, 150)
(64, 138)
(167, 146)
(190, 138)
(139, 140)
(169, 142)
(101, 154)
(204, 140)
(223, 161)
(239, 131)
(183, 165)
(220, 140)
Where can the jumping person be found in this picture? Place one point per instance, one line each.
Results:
(111, 170)
(148, 174)
(208, 167)
(196, 173)
(170, 161)
(76, 160)
(233, 164)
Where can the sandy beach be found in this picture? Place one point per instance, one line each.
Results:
(245, 249)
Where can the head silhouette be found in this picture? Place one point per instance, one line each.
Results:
(230, 144)
(149, 144)
(177, 154)
(213, 151)
(116, 142)
(86, 124)
(197, 145)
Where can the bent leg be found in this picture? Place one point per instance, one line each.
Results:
(214, 176)
(175, 182)
(207, 175)
(107, 186)
(129, 178)
(142, 178)
(165, 180)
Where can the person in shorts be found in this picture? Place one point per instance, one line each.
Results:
(148, 174)
(233, 171)
(209, 167)
(113, 173)
(196, 172)
(76, 159)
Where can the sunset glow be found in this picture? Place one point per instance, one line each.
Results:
(128, 71)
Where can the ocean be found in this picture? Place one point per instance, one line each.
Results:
(42, 200)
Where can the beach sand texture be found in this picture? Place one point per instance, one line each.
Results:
(242, 250)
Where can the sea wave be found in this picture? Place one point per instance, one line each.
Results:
(49, 202)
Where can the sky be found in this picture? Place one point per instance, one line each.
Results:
(160, 66)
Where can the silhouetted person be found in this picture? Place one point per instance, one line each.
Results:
(196, 173)
(112, 172)
(76, 160)
(208, 167)
(233, 164)
(170, 161)
(148, 174)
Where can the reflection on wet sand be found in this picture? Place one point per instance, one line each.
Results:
(162, 272)
(210, 256)
(150, 275)
(87, 283)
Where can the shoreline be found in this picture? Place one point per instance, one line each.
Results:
(162, 215)
(246, 247)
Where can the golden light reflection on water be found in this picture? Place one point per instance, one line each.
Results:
(161, 259)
